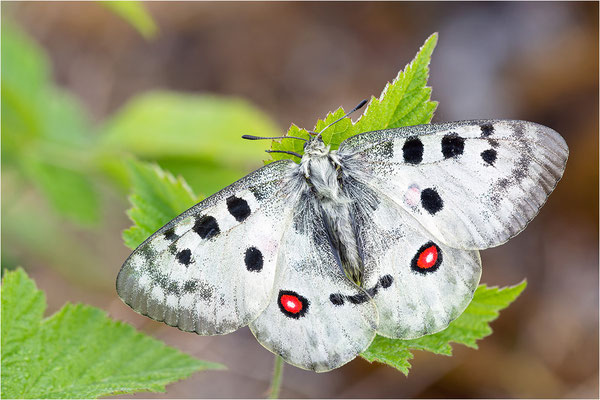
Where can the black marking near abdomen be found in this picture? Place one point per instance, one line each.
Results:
(413, 151)
(427, 259)
(337, 299)
(452, 145)
(206, 227)
(253, 259)
(489, 156)
(431, 201)
(384, 282)
(238, 208)
(358, 298)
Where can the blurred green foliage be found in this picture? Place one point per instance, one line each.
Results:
(196, 136)
(134, 13)
(45, 132)
(50, 149)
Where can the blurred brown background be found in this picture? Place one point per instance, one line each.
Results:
(297, 61)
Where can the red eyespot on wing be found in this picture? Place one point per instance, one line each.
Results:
(292, 304)
(427, 259)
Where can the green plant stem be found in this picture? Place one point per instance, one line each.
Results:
(276, 379)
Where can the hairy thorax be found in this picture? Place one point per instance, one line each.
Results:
(322, 170)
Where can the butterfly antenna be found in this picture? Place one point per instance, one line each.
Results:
(285, 151)
(358, 107)
(252, 137)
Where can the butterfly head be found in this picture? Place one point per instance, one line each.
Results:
(315, 147)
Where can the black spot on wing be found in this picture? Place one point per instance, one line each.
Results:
(358, 298)
(337, 299)
(361, 297)
(206, 227)
(170, 235)
(486, 129)
(431, 201)
(489, 156)
(184, 257)
(238, 208)
(253, 259)
(413, 151)
(452, 145)
(373, 291)
(386, 281)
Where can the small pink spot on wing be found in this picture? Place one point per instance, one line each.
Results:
(412, 196)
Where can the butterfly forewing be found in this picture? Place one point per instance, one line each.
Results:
(211, 270)
(473, 184)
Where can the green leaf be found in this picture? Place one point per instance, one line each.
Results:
(471, 326)
(179, 131)
(44, 131)
(404, 102)
(78, 352)
(134, 13)
(70, 191)
(157, 197)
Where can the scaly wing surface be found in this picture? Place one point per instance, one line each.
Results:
(418, 284)
(316, 319)
(472, 184)
(211, 270)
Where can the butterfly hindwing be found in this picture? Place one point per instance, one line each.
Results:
(317, 319)
(472, 184)
(418, 284)
(211, 270)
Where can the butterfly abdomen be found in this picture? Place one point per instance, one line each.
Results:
(326, 186)
(343, 239)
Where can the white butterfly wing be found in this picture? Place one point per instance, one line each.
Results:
(418, 284)
(211, 270)
(305, 322)
(472, 184)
